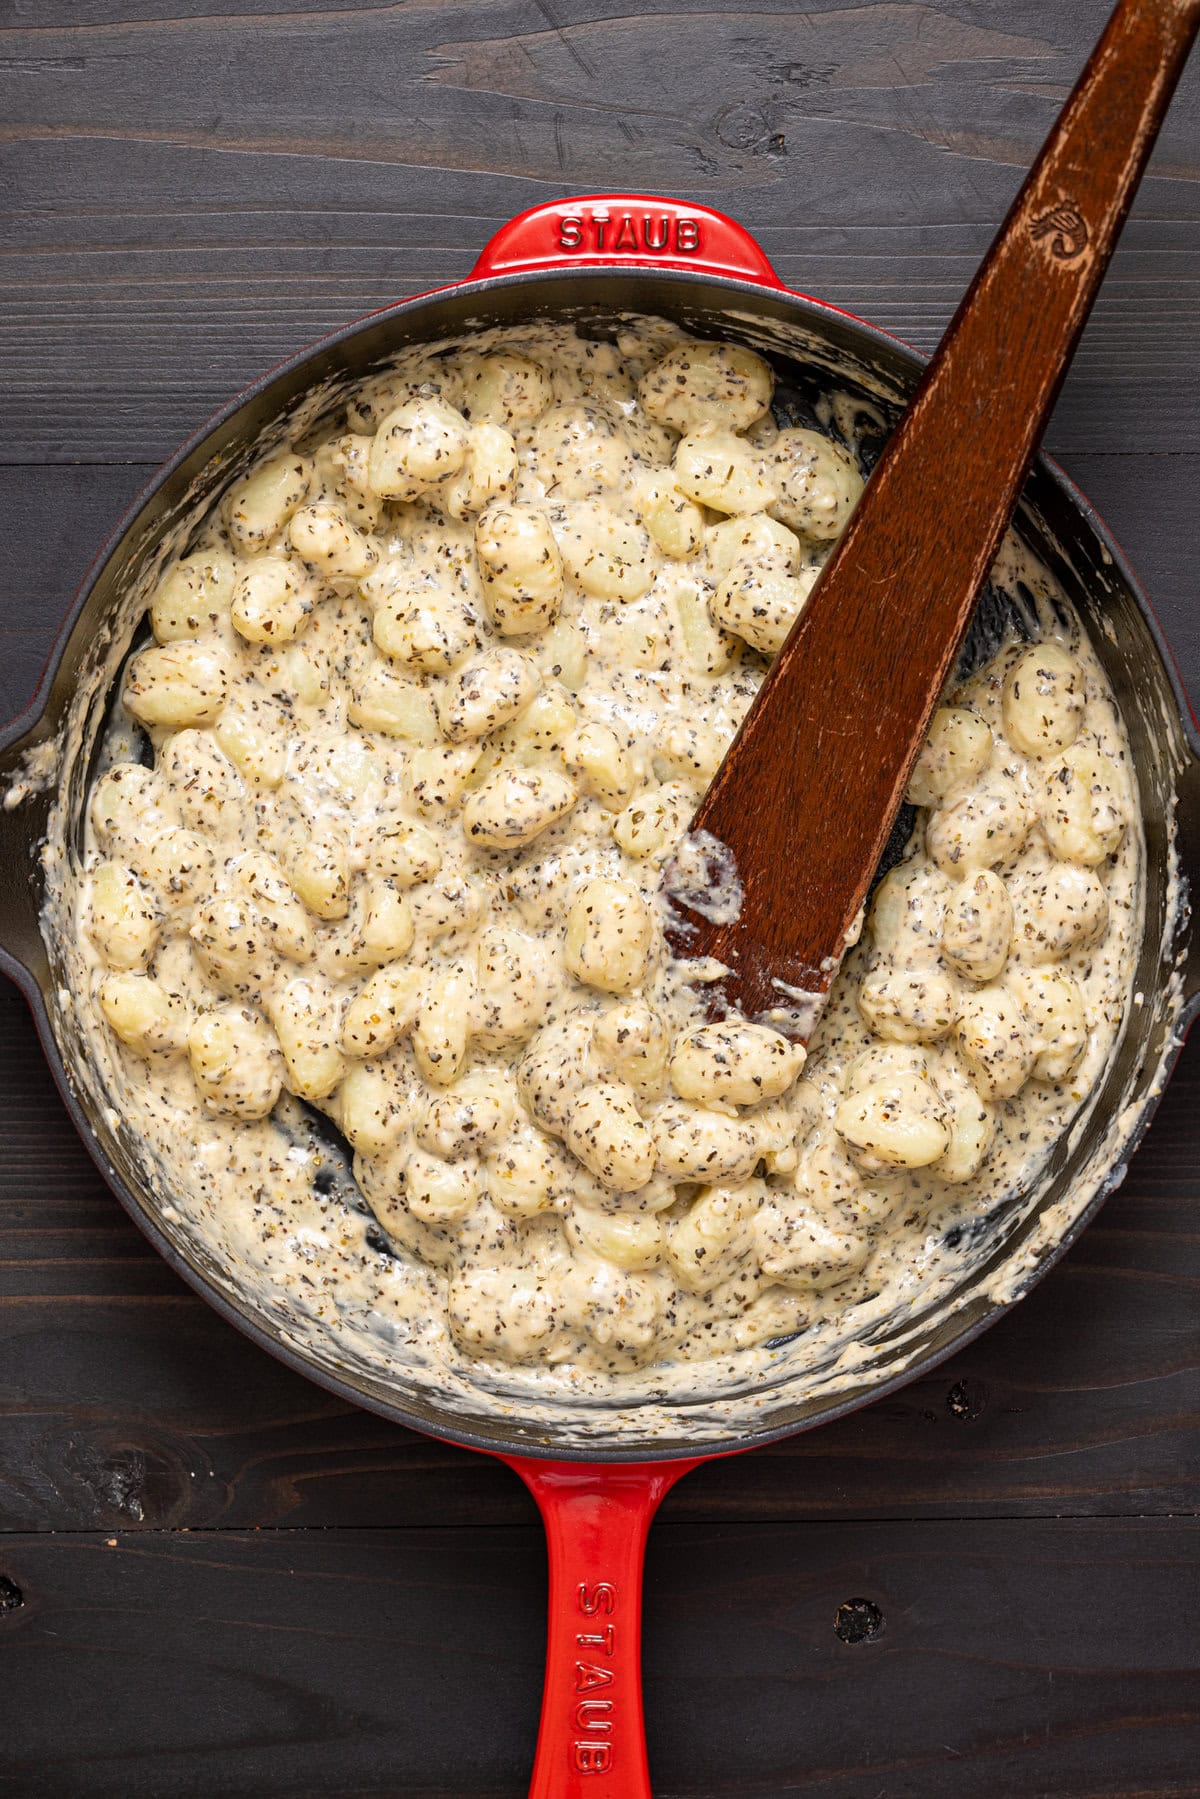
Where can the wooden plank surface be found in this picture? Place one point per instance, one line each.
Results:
(298, 1598)
(196, 188)
(1012, 1660)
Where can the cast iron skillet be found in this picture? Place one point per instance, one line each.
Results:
(599, 1483)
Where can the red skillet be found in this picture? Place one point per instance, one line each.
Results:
(898, 590)
(700, 268)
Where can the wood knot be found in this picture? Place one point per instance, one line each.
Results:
(858, 1620)
(749, 129)
(147, 1481)
(967, 1399)
(11, 1596)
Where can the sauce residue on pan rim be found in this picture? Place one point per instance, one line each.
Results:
(685, 1399)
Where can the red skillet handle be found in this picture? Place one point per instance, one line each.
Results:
(625, 230)
(591, 1741)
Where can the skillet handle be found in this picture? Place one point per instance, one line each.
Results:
(591, 1740)
(625, 231)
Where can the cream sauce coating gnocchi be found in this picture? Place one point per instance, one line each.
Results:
(432, 699)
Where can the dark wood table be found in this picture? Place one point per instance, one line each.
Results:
(215, 1580)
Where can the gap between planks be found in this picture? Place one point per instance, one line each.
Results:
(730, 1521)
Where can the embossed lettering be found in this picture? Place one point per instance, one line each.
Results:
(656, 229)
(592, 1758)
(626, 238)
(600, 1598)
(588, 1675)
(595, 1715)
(656, 232)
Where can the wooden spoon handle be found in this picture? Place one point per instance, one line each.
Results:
(837, 724)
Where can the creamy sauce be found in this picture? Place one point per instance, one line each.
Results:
(434, 701)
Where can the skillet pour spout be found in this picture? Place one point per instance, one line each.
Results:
(28, 776)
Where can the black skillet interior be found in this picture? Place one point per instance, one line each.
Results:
(814, 349)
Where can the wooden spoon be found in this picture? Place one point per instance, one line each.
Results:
(803, 803)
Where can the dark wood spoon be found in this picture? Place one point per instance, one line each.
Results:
(806, 797)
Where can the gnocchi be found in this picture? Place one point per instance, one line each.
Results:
(701, 383)
(1043, 700)
(193, 596)
(262, 502)
(272, 602)
(719, 470)
(816, 481)
(1081, 807)
(416, 446)
(610, 934)
(179, 684)
(430, 703)
(123, 917)
(146, 1017)
(521, 567)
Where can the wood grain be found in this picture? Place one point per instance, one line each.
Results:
(1016, 1660)
(196, 190)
